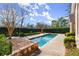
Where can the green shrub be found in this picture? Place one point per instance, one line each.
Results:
(70, 34)
(69, 38)
(27, 34)
(69, 42)
(5, 46)
(25, 30)
(57, 30)
(72, 52)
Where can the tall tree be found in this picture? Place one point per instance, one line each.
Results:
(55, 24)
(63, 22)
(23, 14)
(9, 17)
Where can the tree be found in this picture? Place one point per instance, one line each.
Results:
(9, 17)
(30, 26)
(22, 17)
(68, 8)
(55, 24)
(41, 26)
(63, 22)
(23, 14)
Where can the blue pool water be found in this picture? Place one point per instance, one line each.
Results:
(43, 39)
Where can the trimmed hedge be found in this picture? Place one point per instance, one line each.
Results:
(69, 39)
(3, 30)
(69, 42)
(25, 34)
(70, 34)
(5, 46)
(57, 30)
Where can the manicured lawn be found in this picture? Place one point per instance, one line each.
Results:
(72, 52)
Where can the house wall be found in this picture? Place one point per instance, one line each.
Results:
(74, 21)
(72, 18)
(77, 24)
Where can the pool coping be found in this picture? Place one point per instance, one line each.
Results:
(36, 36)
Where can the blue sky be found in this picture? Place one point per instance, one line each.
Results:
(59, 10)
(41, 12)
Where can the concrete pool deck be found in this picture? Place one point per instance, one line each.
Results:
(54, 47)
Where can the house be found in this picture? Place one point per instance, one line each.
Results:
(74, 21)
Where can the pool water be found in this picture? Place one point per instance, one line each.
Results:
(43, 39)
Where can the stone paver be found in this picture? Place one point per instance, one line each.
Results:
(55, 47)
(19, 43)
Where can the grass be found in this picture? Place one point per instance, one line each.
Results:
(72, 52)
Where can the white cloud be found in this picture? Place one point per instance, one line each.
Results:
(35, 14)
(36, 6)
(34, 11)
(47, 7)
(41, 4)
(44, 4)
(46, 14)
(31, 14)
(33, 7)
(31, 18)
(24, 4)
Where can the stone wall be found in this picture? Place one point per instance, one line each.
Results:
(26, 51)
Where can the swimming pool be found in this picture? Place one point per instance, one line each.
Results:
(43, 39)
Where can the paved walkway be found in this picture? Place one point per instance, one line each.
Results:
(54, 47)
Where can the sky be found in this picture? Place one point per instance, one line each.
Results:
(41, 12)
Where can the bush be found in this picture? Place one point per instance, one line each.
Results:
(69, 42)
(72, 52)
(26, 34)
(70, 39)
(5, 46)
(70, 34)
(25, 30)
(57, 30)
